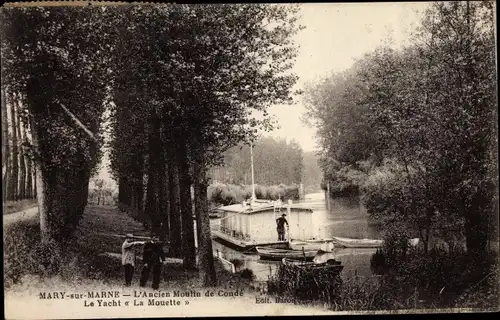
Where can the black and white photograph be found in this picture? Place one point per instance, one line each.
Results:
(249, 159)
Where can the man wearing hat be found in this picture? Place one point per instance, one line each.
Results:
(153, 258)
(281, 227)
(128, 257)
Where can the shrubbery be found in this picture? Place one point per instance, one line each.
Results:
(247, 274)
(25, 254)
(226, 194)
(305, 284)
(347, 181)
(441, 278)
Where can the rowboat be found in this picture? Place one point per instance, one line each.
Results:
(301, 262)
(279, 254)
(359, 243)
(331, 265)
(312, 244)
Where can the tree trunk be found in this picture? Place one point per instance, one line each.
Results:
(58, 219)
(151, 198)
(85, 194)
(476, 227)
(188, 247)
(35, 190)
(59, 193)
(22, 163)
(154, 148)
(205, 251)
(121, 190)
(43, 206)
(175, 213)
(5, 148)
(29, 171)
(46, 206)
(163, 201)
(124, 190)
(14, 177)
(139, 184)
(197, 229)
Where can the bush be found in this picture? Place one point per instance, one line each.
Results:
(226, 194)
(377, 262)
(25, 254)
(237, 263)
(305, 284)
(346, 181)
(247, 274)
(20, 242)
(439, 279)
(443, 278)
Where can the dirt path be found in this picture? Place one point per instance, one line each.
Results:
(30, 213)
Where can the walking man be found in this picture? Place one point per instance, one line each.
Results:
(281, 227)
(128, 257)
(153, 258)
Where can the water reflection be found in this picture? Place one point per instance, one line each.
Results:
(345, 217)
(342, 217)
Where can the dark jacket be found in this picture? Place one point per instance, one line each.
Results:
(281, 223)
(153, 253)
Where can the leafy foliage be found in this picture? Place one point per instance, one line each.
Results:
(226, 194)
(58, 72)
(188, 82)
(420, 122)
(276, 161)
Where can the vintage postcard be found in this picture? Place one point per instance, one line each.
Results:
(204, 160)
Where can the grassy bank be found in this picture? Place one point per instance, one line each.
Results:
(82, 260)
(16, 206)
(226, 194)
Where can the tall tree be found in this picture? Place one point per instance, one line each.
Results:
(426, 111)
(222, 63)
(185, 182)
(5, 147)
(14, 178)
(22, 154)
(60, 73)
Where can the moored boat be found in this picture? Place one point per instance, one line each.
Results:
(312, 244)
(331, 265)
(279, 254)
(300, 262)
(359, 243)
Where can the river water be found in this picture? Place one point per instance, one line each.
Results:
(342, 217)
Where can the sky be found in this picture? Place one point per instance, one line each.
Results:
(335, 35)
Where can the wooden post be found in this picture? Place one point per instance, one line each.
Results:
(253, 181)
(328, 196)
(289, 211)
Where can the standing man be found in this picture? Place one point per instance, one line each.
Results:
(153, 258)
(280, 222)
(128, 257)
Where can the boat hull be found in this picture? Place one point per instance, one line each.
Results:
(325, 245)
(359, 243)
(279, 254)
(329, 266)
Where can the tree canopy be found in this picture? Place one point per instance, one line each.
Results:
(419, 122)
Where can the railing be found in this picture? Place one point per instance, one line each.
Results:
(229, 266)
